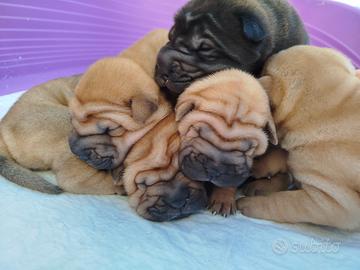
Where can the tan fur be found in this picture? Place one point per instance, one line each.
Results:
(271, 163)
(152, 177)
(270, 172)
(315, 96)
(231, 101)
(152, 159)
(234, 109)
(35, 131)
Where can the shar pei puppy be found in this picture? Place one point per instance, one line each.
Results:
(212, 35)
(315, 98)
(224, 122)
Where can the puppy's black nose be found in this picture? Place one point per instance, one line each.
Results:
(96, 150)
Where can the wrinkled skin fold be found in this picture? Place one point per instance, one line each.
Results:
(221, 125)
(156, 188)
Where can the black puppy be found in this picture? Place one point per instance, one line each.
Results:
(212, 35)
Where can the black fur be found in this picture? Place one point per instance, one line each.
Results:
(212, 35)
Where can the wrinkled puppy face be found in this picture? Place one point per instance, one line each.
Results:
(157, 190)
(115, 104)
(176, 198)
(210, 36)
(222, 121)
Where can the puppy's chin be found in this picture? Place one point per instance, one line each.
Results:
(168, 200)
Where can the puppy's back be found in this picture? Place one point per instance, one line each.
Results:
(316, 100)
(30, 132)
(144, 52)
(309, 84)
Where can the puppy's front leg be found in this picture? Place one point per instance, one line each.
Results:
(306, 205)
(222, 201)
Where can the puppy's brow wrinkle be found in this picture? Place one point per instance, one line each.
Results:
(212, 20)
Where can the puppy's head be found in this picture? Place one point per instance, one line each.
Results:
(156, 188)
(115, 104)
(224, 122)
(173, 198)
(213, 35)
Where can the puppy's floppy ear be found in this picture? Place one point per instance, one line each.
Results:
(142, 107)
(270, 130)
(183, 109)
(252, 27)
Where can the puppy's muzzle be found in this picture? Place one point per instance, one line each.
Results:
(201, 159)
(222, 173)
(175, 70)
(174, 199)
(96, 150)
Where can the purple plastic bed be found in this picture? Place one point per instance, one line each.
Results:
(45, 39)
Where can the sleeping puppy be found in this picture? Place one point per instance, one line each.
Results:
(119, 93)
(115, 104)
(317, 114)
(156, 187)
(224, 122)
(212, 35)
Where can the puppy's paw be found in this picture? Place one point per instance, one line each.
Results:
(222, 201)
(247, 206)
(266, 186)
(255, 207)
(224, 208)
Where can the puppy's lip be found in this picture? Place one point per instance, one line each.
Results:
(176, 87)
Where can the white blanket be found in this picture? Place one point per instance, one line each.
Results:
(39, 231)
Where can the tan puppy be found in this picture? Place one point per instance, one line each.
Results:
(156, 188)
(224, 122)
(118, 92)
(315, 96)
(115, 104)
